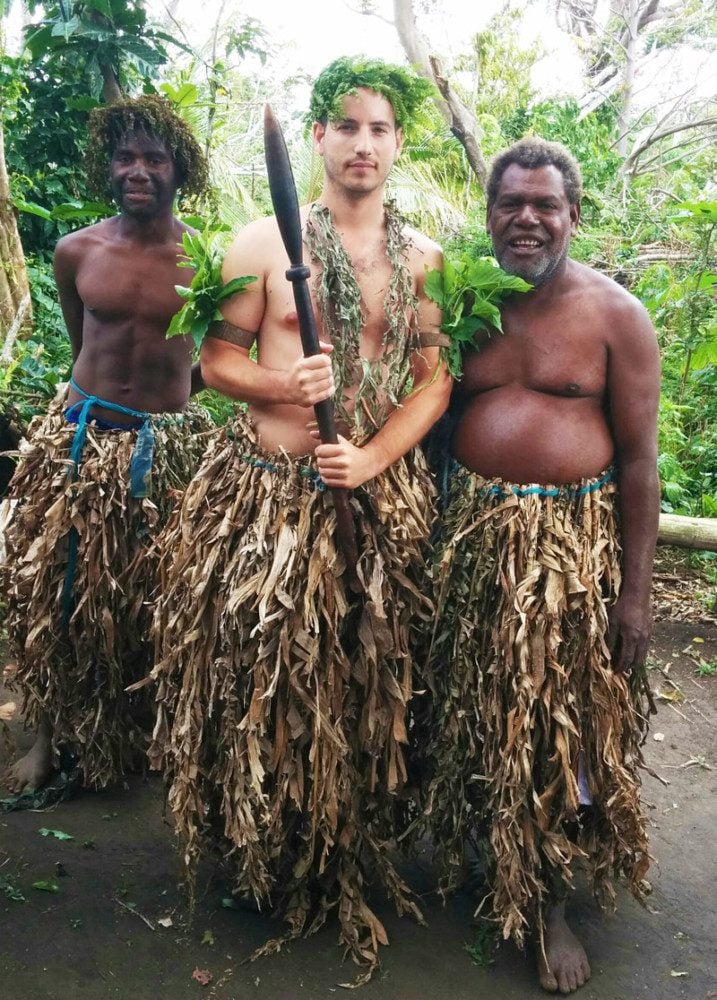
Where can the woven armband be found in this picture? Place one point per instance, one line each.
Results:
(223, 330)
(430, 338)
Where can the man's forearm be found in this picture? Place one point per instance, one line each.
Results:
(240, 378)
(639, 505)
(410, 422)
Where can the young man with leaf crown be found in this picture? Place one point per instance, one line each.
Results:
(98, 475)
(284, 689)
(539, 650)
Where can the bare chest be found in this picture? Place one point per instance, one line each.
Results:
(563, 359)
(372, 273)
(117, 284)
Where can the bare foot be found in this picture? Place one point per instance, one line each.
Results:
(31, 771)
(564, 967)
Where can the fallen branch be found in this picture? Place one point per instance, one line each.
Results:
(688, 532)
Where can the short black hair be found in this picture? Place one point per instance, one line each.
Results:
(531, 152)
(155, 117)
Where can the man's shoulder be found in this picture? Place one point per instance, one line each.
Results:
(614, 300)
(76, 244)
(423, 246)
(264, 231)
(180, 228)
(258, 241)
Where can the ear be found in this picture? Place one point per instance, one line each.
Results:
(318, 131)
(488, 210)
(399, 144)
(574, 218)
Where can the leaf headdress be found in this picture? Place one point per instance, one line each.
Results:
(403, 89)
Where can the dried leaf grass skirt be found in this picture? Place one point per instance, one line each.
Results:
(74, 671)
(524, 693)
(283, 696)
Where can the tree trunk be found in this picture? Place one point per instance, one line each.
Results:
(15, 306)
(688, 532)
(111, 90)
(460, 120)
(632, 17)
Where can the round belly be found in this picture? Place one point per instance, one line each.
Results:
(522, 436)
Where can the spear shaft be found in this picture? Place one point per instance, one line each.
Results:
(286, 209)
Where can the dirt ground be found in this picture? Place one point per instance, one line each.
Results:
(103, 934)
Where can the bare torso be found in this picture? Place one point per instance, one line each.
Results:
(118, 297)
(285, 425)
(533, 404)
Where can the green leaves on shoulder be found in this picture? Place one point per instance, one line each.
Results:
(469, 292)
(203, 253)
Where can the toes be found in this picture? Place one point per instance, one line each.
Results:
(566, 980)
(548, 981)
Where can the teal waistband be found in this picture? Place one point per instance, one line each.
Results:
(553, 491)
(305, 471)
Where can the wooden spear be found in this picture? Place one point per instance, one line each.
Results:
(286, 209)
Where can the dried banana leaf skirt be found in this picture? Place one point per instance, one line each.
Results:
(526, 700)
(283, 694)
(80, 637)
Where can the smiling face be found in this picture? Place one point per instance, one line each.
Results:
(359, 149)
(143, 176)
(531, 222)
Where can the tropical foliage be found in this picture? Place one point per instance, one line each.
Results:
(469, 293)
(202, 298)
(649, 215)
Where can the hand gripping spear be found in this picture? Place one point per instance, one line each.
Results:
(286, 209)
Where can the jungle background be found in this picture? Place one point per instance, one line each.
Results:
(641, 119)
(89, 902)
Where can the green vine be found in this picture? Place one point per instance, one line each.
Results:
(342, 314)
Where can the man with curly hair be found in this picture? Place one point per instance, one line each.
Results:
(549, 536)
(95, 479)
(284, 688)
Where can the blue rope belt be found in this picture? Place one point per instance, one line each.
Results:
(305, 471)
(143, 454)
(139, 471)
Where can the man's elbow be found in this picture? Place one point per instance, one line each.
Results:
(443, 387)
(210, 365)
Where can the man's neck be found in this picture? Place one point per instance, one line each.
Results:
(558, 283)
(158, 229)
(347, 212)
